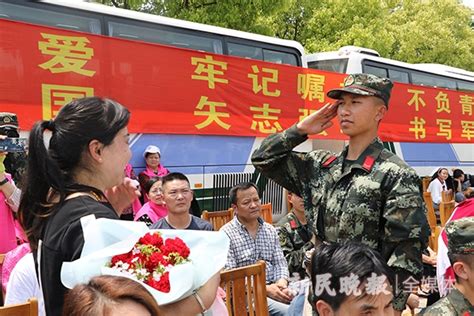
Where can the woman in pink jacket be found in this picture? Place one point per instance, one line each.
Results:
(155, 208)
(154, 168)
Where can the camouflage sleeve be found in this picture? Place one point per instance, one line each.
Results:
(276, 160)
(294, 257)
(406, 230)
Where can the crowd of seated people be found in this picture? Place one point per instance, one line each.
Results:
(85, 180)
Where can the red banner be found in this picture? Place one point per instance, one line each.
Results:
(178, 91)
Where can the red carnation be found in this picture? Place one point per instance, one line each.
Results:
(176, 245)
(155, 260)
(153, 239)
(125, 258)
(162, 285)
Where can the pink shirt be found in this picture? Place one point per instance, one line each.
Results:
(154, 212)
(7, 224)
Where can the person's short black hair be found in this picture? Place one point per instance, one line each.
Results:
(457, 173)
(174, 176)
(150, 183)
(340, 260)
(240, 187)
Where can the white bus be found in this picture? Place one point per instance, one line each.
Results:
(208, 155)
(423, 157)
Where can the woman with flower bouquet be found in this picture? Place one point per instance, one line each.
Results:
(79, 174)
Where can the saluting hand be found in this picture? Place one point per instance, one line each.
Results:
(318, 121)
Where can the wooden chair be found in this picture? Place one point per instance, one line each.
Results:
(29, 308)
(425, 182)
(447, 196)
(445, 211)
(432, 221)
(219, 218)
(267, 213)
(246, 292)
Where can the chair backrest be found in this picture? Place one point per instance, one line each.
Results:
(29, 308)
(447, 196)
(267, 213)
(445, 211)
(425, 182)
(246, 292)
(430, 212)
(219, 218)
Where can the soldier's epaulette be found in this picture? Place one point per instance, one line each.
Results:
(293, 224)
(368, 163)
(327, 163)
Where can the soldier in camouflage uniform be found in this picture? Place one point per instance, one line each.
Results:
(459, 301)
(295, 236)
(365, 193)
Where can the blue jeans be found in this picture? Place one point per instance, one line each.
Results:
(297, 305)
(276, 308)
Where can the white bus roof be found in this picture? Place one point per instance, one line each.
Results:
(425, 67)
(140, 16)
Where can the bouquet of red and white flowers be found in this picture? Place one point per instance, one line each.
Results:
(170, 264)
(151, 259)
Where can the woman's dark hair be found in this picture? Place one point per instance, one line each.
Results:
(50, 171)
(98, 297)
(150, 183)
(340, 260)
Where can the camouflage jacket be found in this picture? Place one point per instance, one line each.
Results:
(295, 240)
(454, 304)
(376, 201)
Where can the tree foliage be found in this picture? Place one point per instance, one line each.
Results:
(416, 31)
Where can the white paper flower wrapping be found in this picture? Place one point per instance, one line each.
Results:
(105, 238)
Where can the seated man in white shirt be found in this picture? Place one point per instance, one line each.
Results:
(251, 239)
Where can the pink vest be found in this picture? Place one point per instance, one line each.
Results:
(154, 211)
(7, 224)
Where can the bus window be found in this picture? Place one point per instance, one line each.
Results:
(259, 53)
(166, 37)
(434, 81)
(246, 51)
(279, 57)
(465, 86)
(378, 71)
(398, 76)
(49, 18)
(333, 65)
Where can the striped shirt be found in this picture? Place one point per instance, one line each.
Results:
(245, 250)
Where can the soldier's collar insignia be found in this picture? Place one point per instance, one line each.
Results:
(368, 163)
(293, 224)
(329, 161)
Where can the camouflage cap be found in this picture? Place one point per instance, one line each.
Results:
(364, 84)
(8, 120)
(461, 236)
